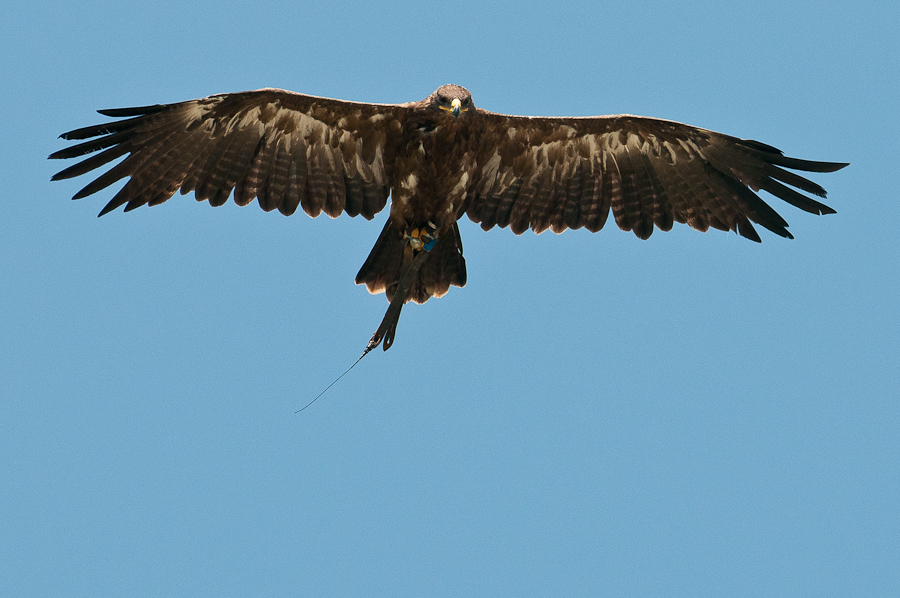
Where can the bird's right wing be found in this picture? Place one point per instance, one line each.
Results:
(284, 148)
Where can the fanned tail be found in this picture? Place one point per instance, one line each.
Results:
(391, 254)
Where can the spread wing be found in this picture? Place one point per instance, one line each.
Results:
(563, 173)
(284, 148)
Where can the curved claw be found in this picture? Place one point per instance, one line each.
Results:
(420, 238)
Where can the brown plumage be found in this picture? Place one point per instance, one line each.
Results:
(439, 159)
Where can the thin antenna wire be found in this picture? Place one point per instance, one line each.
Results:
(388, 327)
(368, 348)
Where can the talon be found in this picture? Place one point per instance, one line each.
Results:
(420, 238)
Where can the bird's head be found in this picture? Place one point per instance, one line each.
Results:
(454, 99)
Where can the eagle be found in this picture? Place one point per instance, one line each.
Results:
(438, 159)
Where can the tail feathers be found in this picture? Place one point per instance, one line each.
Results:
(391, 255)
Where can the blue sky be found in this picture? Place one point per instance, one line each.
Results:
(592, 415)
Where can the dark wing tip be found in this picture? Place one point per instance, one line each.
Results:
(112, 205)
(776, 156)
(746, 230)
(133, 111)
(809, 165)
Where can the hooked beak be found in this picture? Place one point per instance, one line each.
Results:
(455, 108)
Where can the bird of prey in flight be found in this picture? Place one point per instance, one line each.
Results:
(438, 159)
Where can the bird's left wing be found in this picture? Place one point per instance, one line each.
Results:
(558, 173)
(284, 148)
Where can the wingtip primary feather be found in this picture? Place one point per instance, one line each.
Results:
(112, 205)
(133, 111)
(810, 165)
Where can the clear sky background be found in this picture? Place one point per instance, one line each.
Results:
(592, 415)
